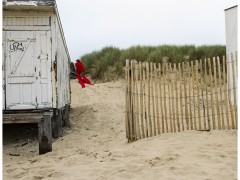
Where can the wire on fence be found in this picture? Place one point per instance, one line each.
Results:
(204, 85)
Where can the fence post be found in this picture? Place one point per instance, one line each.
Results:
(229, 93)
(198, 97)
(234, 91)
(206, 89)
(153, 104)
(176, 87)
(127, 99)
(141, 100)
(220, 84)
(145, 99)
(189, 93)
(169, 97)
(138, 134)
(181, 98)
(225, 91)
(193, 95)
(185, 96)
(172, 98)
(157, 97)
(211, 91)
(161, 97)
(216, 93)
(149, 99)
(164, 95)
(132, 124)
(202, 90)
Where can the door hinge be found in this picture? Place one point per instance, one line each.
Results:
(36, 102)
(4, 87)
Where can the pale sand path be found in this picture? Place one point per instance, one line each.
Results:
(96, 147)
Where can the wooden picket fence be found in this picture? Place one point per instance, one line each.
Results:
(165, 97)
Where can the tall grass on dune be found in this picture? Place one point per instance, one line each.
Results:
(98, 63)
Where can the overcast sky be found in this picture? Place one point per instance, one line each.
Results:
(90, 25)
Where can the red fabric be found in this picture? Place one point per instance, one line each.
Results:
(79, 67)
(81, 78)
(86, 80)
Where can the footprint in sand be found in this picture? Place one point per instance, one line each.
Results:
(34, 160)
(162, 160)
(56, 174)
(20, 175)
(71, 162)
(45, 171)
(11, 170)
(37, 177)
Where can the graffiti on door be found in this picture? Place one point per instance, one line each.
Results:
(16, 46)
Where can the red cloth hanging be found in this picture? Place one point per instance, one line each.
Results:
(81, 78)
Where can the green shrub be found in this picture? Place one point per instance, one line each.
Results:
(98, 63)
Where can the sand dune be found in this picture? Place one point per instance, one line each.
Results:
(96, 148)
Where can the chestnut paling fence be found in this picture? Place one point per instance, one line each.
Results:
(165, 97)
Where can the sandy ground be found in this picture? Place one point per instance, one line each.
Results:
(96, 148)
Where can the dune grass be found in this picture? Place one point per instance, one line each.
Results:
(111, 60)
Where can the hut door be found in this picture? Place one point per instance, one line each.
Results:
(43, 70)
(22, 69)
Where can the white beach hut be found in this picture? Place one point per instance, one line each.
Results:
(231, 25)
(36, 67)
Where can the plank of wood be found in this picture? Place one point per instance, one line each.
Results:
(127, 99)
(169, 97)
(45, 133)
(234, 91)
(221, 98)
(172, 97)
(193, 95)
(153, 101)
(161, 97)
(138, 134)
(141, 100)
(206, 91)
(157, 97)
(198, 97)
(132, 137)
(229, 94)
(176, 83)
(181, 97)
(225, 91)
(145, 100)
(185, 95)
(189, 95)
(211, 92)
(22, 118)
(164, 95)
(149, 99)
(202, 94)
(216, 93)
